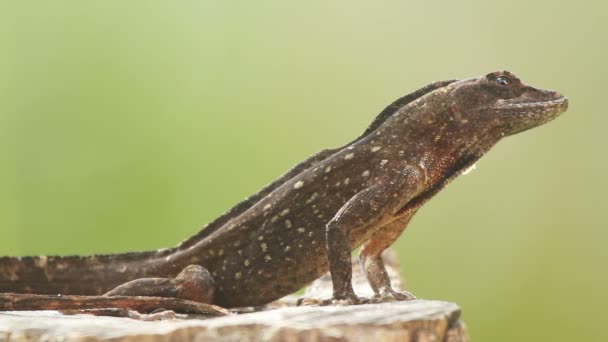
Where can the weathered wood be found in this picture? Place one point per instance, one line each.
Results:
(404, 321)
(418, 320)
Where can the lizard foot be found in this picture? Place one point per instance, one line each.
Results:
(345, 300)
(390, 295)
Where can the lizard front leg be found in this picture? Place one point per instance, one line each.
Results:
(359, 210)
(364, 213)
(371, 263)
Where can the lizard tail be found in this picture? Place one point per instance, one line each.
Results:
(78, 275)
(102, 305)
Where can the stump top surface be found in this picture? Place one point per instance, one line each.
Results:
(52, 325)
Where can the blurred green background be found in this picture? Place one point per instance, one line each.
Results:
(127, 125)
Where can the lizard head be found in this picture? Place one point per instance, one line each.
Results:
(502, 101)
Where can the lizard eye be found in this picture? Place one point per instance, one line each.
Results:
(503, 81)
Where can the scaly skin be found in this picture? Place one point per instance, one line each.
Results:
(309, 220)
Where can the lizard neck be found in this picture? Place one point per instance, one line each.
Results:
(440, 145)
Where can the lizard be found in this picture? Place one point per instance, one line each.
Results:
(307, 222)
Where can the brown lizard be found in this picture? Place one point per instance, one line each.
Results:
(309, 220)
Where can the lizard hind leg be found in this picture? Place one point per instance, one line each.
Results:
(194, 283)
(372, 265)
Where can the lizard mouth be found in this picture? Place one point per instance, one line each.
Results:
(533, 108)
(522, 105)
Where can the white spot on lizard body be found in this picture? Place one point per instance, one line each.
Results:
(41, 261)
(349, 156)
(298, 185)
(376, 148)
(312, 198)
